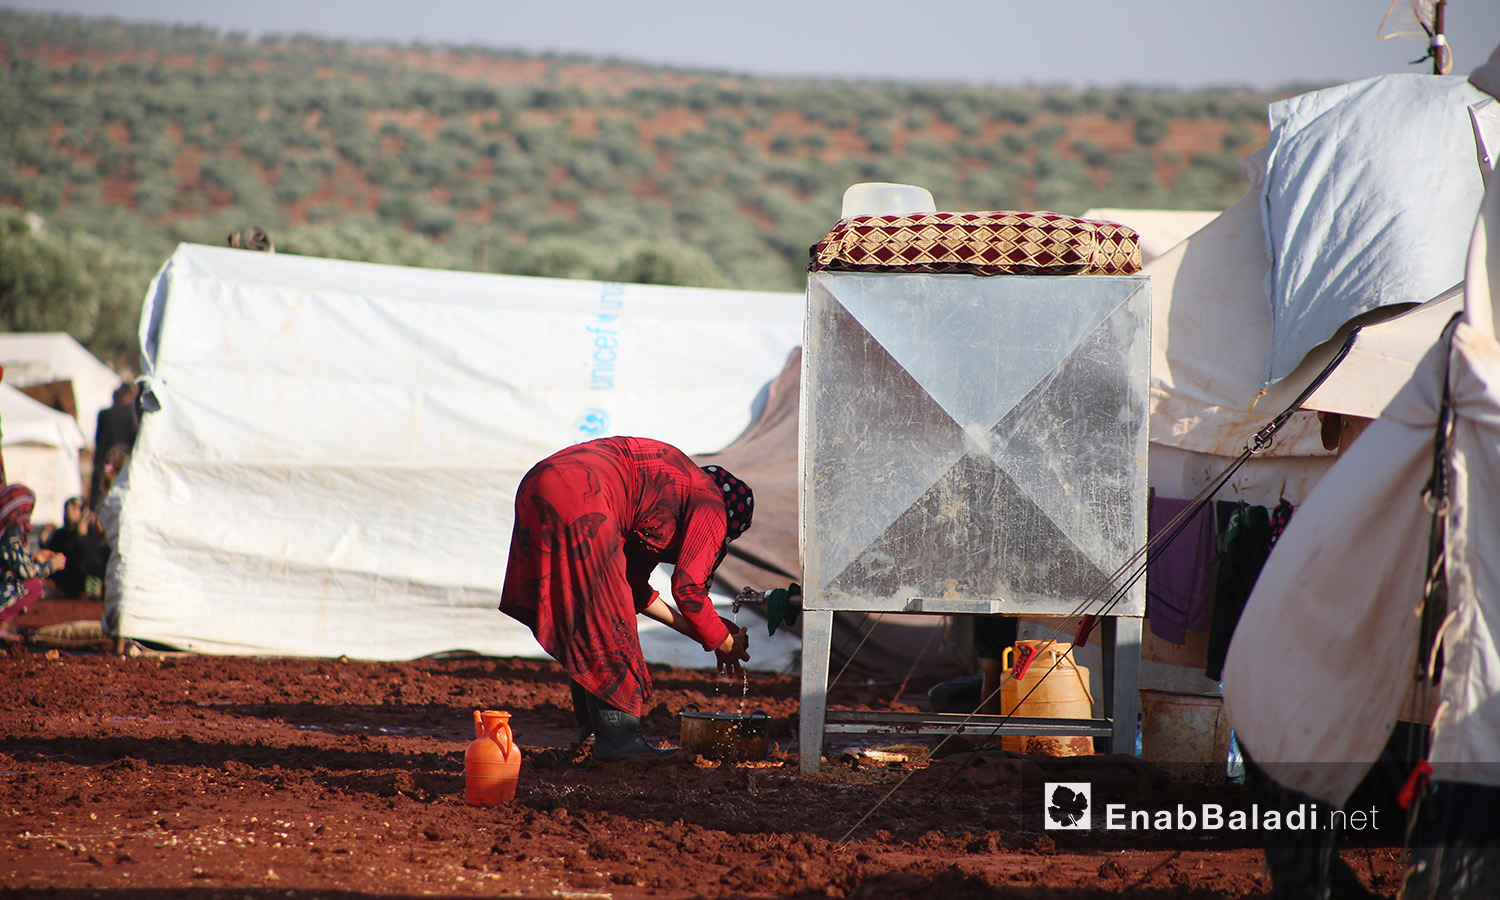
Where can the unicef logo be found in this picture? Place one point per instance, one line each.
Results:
(592, 423)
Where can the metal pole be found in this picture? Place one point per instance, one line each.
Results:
(1440, 52)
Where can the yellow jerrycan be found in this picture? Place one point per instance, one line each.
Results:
(1053, 687)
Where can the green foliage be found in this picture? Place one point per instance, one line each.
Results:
(121, 275)
(1150, 129)
(154, 195)
(1134, 182)
(1063, 185)
(78, 283)
(636, 260)
(43, 287)
(365, 240)
(690, 178)
(299, 179)
(1091, 153)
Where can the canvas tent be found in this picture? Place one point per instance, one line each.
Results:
(1216, 327)
(330, 465)
(1316, 701)
(41, 447)
(405, 371)
(1369, 583)
(1158, 230)
(1321, 742)
(32, 358)
(1424, 484)
(1211, 326)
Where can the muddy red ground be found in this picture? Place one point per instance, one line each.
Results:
(188, 776)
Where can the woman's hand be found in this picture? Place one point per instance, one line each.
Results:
(734, 650)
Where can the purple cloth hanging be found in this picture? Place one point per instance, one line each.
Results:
(1179, 584)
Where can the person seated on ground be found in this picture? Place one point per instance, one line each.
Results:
(80, 541)
(592, 522)
(21, 571)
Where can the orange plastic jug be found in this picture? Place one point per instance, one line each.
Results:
(492, 763)
(1054, 686)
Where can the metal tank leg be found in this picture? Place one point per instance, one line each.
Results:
(1120, 645)
(817, 643)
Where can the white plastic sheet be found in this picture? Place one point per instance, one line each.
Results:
(39, 357)
(1323, 654)
(332, 467)
(41, 447)
(1371, 189)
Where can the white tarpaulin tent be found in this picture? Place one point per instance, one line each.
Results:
(1157, 230)
(39, 357)
(1323, 654)
(332, 467)
(1370, 190)
(1315, 701)
(41, 447)
(1210, 329)
(1214, 322)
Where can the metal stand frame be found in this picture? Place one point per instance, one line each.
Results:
(1121, 645)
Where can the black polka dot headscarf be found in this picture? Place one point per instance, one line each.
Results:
(739, 501)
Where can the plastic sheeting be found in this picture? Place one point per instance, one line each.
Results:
(332, 467)
(41, 447)
(1323, 654)
(1370, 193)
(1210, 329)
(40, 357)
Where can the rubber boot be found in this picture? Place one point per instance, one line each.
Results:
(582, 714)
(617, 734)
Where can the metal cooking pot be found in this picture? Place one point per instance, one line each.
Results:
(731, 737)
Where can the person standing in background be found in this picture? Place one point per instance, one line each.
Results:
(116, 426)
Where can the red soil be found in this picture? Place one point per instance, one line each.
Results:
(169, 775)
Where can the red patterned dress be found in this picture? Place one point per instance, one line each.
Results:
(592, 522)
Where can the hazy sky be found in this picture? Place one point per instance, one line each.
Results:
(1182, 43)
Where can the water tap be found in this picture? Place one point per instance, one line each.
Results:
(747, 597)
(783, 605)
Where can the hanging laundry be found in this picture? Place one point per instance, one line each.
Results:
(1281, 516)
(1246, 534)
(1179, 582)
